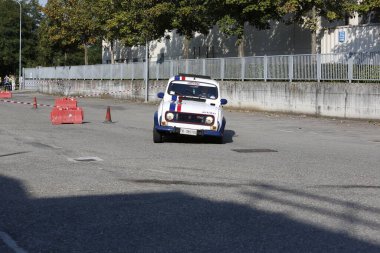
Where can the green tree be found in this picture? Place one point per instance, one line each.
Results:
(71, 24)
(9, 39)
(109, 26)
(143, 20)
(31, 23)
(55, 31)
(192, 16)
(9, 30)
(366, 6)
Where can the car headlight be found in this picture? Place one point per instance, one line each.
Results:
(169, 116)
(209, 120)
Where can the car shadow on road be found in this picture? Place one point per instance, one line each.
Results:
(229, 135)
(156, 222)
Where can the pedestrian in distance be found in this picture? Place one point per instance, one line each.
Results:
(7, 85)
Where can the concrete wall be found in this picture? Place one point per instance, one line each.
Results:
(321, 99)
(343, 100)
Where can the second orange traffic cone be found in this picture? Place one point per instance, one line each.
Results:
(108, 116)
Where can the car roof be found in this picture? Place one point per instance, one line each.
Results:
(194, 78)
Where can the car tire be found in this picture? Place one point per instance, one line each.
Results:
(157, 136)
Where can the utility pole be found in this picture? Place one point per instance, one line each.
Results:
(19, 59)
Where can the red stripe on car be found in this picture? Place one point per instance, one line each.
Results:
(179, 106)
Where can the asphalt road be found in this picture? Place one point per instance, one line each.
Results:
(280, 183)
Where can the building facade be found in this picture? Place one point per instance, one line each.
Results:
(355, 34)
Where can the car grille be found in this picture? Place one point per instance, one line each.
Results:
(190, 118)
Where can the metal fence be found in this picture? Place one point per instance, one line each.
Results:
(320, 67)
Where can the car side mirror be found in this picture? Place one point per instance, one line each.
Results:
(160, 95)
(223, 101)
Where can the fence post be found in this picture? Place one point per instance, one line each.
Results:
(222, 64)
(265, 68)
(157, 70)
(121, 71)
(186, 66)
(171, 68)
(133, 71)
(350, 69)
(319, 68)
(290, 62)
(101, 72)
(112, 67)
(204, 67)
(242, 68)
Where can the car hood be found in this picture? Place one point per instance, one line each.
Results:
(199, 107)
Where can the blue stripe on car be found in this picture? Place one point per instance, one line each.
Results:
(172, 107)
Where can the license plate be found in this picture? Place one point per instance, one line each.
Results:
(188, 131)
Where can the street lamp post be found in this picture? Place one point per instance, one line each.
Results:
(19, 56)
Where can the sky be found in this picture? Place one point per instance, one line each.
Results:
(42, 2)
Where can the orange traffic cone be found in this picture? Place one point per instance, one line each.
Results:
(108, 115)
(35, 103)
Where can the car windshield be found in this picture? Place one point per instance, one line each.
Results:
(193, 89)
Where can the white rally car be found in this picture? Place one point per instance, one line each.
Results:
(191, 106)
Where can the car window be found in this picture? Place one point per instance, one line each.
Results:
(193, 89)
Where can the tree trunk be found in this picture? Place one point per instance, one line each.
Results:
(112, 52)
(85, 54)
(314, 33)
(186, 43)
(241, 47)
(313, 42)
(65, 58)
(241, 43)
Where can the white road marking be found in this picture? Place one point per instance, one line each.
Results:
(85, 159)
(160, 171)
(286, 131)
(11, 243)
(55, 147)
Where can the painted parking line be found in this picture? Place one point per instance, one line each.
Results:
(159, 171)
(286, 131)
(85, 159)
(11, 243)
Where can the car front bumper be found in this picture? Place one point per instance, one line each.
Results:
(176, 130)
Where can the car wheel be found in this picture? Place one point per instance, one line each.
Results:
(157, 137)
